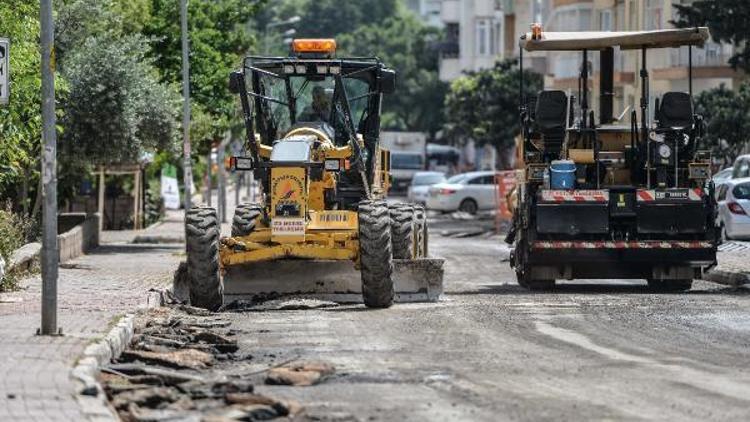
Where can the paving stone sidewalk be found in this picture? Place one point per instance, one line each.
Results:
(94, 291)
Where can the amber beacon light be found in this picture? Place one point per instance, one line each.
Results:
(327, 46)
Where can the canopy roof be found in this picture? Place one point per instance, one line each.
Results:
(596, 40)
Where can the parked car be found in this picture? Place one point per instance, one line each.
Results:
(467, 192)
(741, 167)
(421, 183)
(734, 206)
(721, 177)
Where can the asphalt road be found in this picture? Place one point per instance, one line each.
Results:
(493, 351)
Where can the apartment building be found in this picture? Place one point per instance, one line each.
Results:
(668, 67)
(474, 36)
(427, 10)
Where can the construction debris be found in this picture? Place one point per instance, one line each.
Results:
(159, 378)
(300, 373)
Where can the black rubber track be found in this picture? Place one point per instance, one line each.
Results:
(376, 257)
(523, 270)
(670, 285)
(202, 238)
(403, 230)
(245, 218)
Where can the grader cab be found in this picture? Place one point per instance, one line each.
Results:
(621, 197)
(312, 123)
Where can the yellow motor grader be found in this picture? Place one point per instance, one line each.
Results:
(313, 124)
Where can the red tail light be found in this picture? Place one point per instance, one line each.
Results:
(736, 208)
(447, 191)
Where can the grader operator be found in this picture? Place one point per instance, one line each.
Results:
(313, 123)
(617, 197)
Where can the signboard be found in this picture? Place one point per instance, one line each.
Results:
(4, 71)
(288, 227)
(170, 190)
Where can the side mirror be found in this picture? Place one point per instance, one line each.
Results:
(387, 81)
(235, 81)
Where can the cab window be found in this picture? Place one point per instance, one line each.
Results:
(722, 193)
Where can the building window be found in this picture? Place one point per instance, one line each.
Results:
(482, 37)
(654, 14)
(605, 20)
(488, 37)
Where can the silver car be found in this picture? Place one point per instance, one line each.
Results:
(467, 192)
(421, 183)
(734, 207)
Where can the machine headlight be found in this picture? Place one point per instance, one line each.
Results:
(241, 163)
(332, 165)
(665, 151)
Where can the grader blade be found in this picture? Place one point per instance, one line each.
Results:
(418, 280)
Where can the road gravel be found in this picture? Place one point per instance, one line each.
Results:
(491, 350)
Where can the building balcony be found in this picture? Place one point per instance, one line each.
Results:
(448, 49)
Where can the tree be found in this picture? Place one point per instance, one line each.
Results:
(329, 18)
(483, 105)
(117, 109)
(219, 38)
(726, 19)
(728, 120)
(20, 121)
(404, 44)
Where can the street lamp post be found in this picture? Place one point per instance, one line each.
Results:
(290, 21)
(50, 251)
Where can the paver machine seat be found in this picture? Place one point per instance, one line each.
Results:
(676, 111)
(551, 115)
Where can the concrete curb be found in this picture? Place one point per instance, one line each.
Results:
(91, 396)
(729, 278)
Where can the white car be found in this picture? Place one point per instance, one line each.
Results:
(420, 185)
(734, 207)
(467, 192)
(721, 177)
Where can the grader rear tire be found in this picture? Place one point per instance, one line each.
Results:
(376, 257)
(202, 238)
(403, 230)
(422, 235)
(245, 219)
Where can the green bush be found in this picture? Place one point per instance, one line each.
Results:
(13, 232)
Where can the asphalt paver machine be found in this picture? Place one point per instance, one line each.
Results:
(605, 197)
(323, 227)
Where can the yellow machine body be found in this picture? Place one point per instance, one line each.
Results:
(295, 223)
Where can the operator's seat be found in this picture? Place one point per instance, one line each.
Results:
(551, 116)
(676, 111)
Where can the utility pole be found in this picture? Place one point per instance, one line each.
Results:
(222, 178)
(50, 252)
(188, 166)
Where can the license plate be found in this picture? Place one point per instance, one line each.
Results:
(672, 194)
(288, 227)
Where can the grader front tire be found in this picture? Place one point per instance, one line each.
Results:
(245, 219)
(376, 257)
(202, 238)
